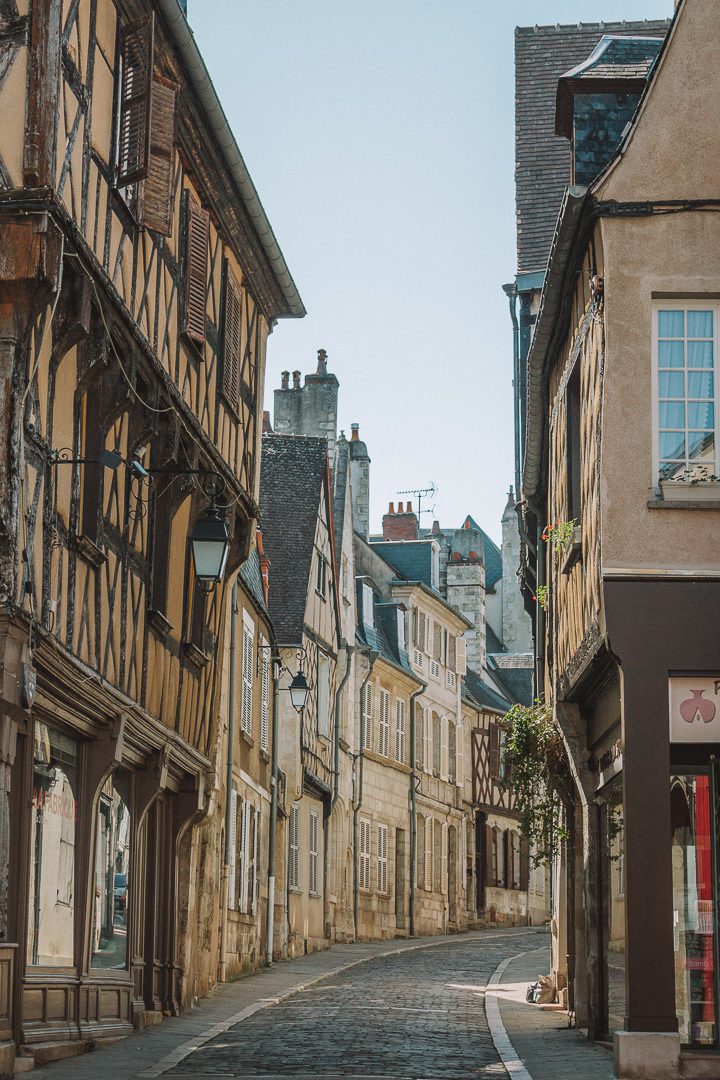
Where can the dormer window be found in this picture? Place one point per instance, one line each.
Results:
(368, 605)
(435, 567)
(401, 629)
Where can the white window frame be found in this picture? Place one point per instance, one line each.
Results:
(685, 305)
(294, 848)
(384, 724)
(313, 853)
(365, 855)
(248, 654)
(400, 754)
(382, 859)
(264, 695)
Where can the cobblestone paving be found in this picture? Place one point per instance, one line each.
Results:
(413, 1016)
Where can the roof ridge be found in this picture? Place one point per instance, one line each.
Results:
(631, 23)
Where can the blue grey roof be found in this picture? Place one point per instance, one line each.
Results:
(492, 641)
(252, 578)
(480, 694)
(516, 682)
(411, 558)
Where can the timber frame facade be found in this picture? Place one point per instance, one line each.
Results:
(139, 281)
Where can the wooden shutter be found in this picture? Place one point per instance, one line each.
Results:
(196, 271)
(400, 730)
(265, 698)
(489, 859)
(420, 852)
(294, 860)
(247, 679)
(232, 340)
(157, 189)
(524, 864)
(428, 854)
(507, 853)
(136, 58)
(244, 855)
(494, 751)
(461, 656)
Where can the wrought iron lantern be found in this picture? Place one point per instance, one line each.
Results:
(210, 544)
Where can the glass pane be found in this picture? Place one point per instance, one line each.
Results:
(671, 324)
(693, 909)
(700, 384)
(701, 414)
(700, 353)
(52, 844)
(672, 353)
(672, 444)
(672, 470)
(615, 884)
(112, 868)
(700, 324)
(672, 384)
(672, 414)
(701, 445)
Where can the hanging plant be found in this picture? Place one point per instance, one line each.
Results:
(539, 776)
(542, 596)
(559, 533)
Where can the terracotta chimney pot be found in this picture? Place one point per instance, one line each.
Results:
(355, 428)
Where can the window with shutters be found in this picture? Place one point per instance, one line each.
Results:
(197, 235)
(437, 642)
(232, 843)
(232, 340)
(461, 656)
(428, 861)
(264, 695)
(494, 739)
(452, 752)
(294, 845)
(313, 854)
(436, 744)
(134, 102)
(368, 605)
(323, 695)
(400, 730)
(248, 652)
(364, 863)
(498, 857)
(438, 856)
(444, 747)
(243, 859)
(420, 852)
(366, 717)
(384, 724)
(427, 740)
(382, 859)
(444, 850)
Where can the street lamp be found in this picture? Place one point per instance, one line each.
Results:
(299, 691)
(299, 688)
(210, 544)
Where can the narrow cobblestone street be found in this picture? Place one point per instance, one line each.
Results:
(413, 1011)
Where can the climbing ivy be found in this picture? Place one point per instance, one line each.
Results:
(539, 776)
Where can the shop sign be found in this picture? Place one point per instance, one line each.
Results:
(695, 709)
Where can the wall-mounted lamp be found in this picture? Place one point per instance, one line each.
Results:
(299, 688)
(210, 546)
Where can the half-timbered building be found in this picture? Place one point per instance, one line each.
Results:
(139, 280)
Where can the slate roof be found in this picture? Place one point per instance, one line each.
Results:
(293, 468)
(542, 160)
(411, 558)
(480, 694)
(491, 552)
(380, 637)
(492, 641)
(619, 58)
(517, 682)
(252, 578)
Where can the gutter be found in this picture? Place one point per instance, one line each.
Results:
(553, 302)
(356, 805)
(413, 809)
(184, 42)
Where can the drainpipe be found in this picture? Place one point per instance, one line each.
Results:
(274, 778)
(512, 293)
(349, 650)
(224, 898)
(413, 809)
(356, 805)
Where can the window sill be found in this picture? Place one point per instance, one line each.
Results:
(159, 622)
(675, 503)
(573, 552)
(195, 350)
(265, 756)
(322, 596)
(247, 737)
(195, 656)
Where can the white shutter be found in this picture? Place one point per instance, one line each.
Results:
(231, 849)
(364, 875)
(444, 858)
(400, 730)
(459, 754)
(367, 717)
(444, 739)
(244, 853)
(313, 854)
(256, 865)
(428, 854)
(427, 739)
(265, 697)
(382, 858)
(294, 858)
(384, 726)
(247, 674)
(461, 658)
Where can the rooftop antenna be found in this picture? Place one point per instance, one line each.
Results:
(420, 494)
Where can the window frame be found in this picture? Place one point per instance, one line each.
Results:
(384, 723)
(365, 855)
(685, 304)
(314, 853)
(383, 886)
(400, 731)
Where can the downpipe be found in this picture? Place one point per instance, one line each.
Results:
(413, 809)
(225, 880)
(274, 778)
(348, 650)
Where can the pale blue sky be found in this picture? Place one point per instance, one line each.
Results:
(379, 134)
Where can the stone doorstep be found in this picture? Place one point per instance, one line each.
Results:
(699, 1065)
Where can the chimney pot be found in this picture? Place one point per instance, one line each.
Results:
(355, 429)
(267, 426)
(322, 362)
(391, 508)
(408, 508)
(285, 384)
(436, 528)
(296, 380)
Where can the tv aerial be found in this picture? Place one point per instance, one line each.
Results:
(420, 494)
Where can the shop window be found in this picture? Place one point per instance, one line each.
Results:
(53, 841)
(693, 909)
(112, 873)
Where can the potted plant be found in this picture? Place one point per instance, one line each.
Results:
(695, 484)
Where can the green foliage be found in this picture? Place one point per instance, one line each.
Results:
(542, 596)
(559, 533)
(539, 776)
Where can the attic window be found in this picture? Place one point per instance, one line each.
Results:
(321, 577)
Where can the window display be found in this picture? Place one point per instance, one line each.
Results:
(112, 873)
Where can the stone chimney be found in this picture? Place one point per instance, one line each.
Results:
(267, 426)
(466, 591)
(264, 566)
(400, 525)
(310, 409)
(517, 628)
(360, 482)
